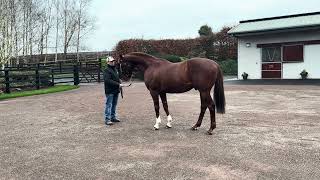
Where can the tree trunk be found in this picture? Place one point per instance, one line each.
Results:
(30, 28)
(65, 30)
(79, 29)
(57, 30)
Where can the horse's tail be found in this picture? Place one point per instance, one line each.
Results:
(219, 98)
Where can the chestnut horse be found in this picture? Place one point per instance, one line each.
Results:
(162, 76)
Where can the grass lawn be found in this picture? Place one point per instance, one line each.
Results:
(57, 88)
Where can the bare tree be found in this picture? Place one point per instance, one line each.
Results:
(45, 24)
(57, 5)
(49, 24)
(81, 3)
(84, 23)
(70, 25)
(14, 28)
(26, 27)
(5, 32)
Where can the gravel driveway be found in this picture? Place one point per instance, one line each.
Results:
(268, 132)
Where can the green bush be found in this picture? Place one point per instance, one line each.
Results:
(229, 67)
(244, 75)
(172, 58)
(304, 74)
(2, 85)
(103, 64)
(169, 57)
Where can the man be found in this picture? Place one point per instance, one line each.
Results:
(112, 87)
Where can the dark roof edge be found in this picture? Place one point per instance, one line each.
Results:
(301, 28)
(280, 17)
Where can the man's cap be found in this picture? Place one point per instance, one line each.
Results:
(110, 59)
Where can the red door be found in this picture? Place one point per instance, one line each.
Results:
(271, 70)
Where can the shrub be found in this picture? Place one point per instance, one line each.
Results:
(304, 74)
(169, 57)
(229, 67)
(245, 75)
(103, 64)
(2, 85)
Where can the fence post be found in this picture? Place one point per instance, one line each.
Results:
(52, 76)
(76, 74)
(99, 70)
(37, 78)
(7, 82)
(60, 66)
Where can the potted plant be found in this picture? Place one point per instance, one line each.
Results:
(245, 75)
(304, 74)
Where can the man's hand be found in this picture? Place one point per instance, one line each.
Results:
(124, 85)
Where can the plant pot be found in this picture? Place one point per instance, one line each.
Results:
(245, 76)
(304, 76)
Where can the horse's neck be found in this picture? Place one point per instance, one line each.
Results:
(144, 63)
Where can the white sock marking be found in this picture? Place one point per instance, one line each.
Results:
(169, 118)
(158, 121)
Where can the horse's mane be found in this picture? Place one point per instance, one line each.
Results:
(144, 55)
(141, 54)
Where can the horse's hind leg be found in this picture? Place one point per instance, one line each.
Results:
(163, 97)
(202, 110)
(211, 107)
(155, 97)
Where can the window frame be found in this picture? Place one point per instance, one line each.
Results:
(296, 61)
(281, 51)
(282, 54)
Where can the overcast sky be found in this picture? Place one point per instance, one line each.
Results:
(162, 19)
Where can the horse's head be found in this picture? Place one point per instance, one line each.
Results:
(126, 68)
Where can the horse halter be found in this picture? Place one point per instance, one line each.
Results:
(130, 80)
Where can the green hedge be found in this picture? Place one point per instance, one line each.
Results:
(103, 63)
(2, 83)
(229, 67)
(169, 57)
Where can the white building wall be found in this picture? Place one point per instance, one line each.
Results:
(249, 58)
(311, 64)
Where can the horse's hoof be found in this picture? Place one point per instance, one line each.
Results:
(155, 128)
(209, 133)
(194, 128)
(168, 127)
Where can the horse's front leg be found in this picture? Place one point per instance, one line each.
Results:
(155, 97)
(163, 97)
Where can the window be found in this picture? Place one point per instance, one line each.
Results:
(293, 53)
(271, 54)
(285, 53)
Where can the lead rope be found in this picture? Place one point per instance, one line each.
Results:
(130, 80)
